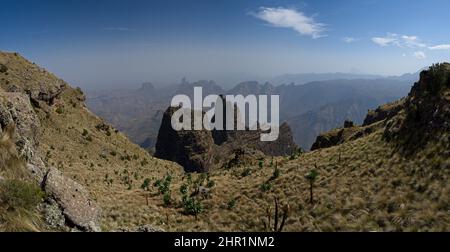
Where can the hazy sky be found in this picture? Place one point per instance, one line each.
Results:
(100, 43)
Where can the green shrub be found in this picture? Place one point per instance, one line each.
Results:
(311, 176)
(3, 68)
(192, 206)
(60, 110)
(85, 132)
(167, 199)
(246, 172)
(211, 184)
(296, 153)
(163, 185)
(17, 194)
(184, 189)
(276, 173)
(265, 187)
(261, 163)
(231, 204)
(146, 184)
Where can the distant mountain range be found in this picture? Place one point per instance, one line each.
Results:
(303, 78)
(310, 108)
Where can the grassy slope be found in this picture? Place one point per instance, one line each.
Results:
(87, 158)
(371, 188)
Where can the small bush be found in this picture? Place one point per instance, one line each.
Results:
(146, 184)
(246, 172)
(163, 185)
(265, 187)
(261, 163)
(167, 199)
(276, 173)
(192, 206)
(3, 68)
(85, 132)
(231, 204)
(17, 194)
(184, 189)
(60, 110)
(211, 184)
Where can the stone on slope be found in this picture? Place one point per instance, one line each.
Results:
(76, 205)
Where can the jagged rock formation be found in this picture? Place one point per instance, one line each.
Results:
(426, 114)
(190, 148)
(203, 150)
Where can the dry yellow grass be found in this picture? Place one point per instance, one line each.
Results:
(371, 188)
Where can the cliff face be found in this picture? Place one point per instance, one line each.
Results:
(192, 149)
(426, 114)
(203, 150)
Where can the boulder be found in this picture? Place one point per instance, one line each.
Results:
(78, 208)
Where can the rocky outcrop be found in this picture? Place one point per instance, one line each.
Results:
(426, 114)
(190, 148)
(76, 205)
(338, 136)
(386, 111)
(328, 139)
(203, 150)
(17, 110)
(283, 146)
(65, 195)
(409, 123)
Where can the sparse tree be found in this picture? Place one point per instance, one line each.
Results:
(261, 163)
(146, 187)
(311, 176)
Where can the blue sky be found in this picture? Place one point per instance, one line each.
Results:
(113, 43)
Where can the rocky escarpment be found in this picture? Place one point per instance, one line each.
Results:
(26, 91)
(426, 114)
(410, 122)
(203, 150)
(70, 199)
(383, 112)
(192, 149)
